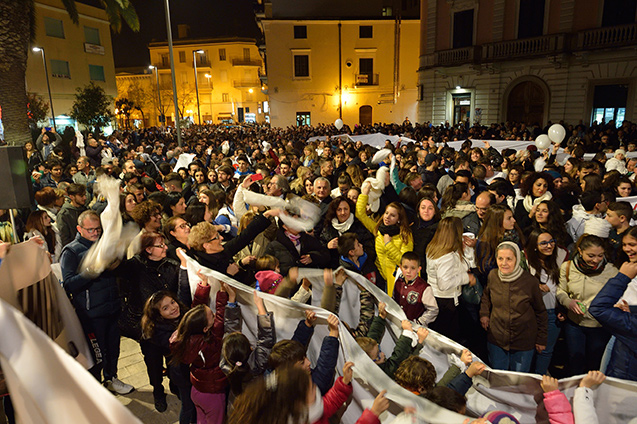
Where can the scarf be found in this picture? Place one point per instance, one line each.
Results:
(517, 271)
(295, 239)
(390, 230)
(585, 268)
(529, 201)
(343, 227)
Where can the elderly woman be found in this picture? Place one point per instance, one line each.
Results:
(513, 312)
(205, 242)
(176, 231)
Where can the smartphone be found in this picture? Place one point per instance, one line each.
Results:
(47, 128)
(256, 177)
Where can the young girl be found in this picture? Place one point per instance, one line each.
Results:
(39, 224)
(548, 217)
(393, 235)
(447, 272)
(197, 342)
(536, 188)
(457, 201)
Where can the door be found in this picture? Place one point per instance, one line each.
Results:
(526, 103)
(365, 115)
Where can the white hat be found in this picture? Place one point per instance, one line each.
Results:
(620, 152)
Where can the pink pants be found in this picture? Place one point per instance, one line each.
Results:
(211, 407)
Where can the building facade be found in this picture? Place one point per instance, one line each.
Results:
(530, 61)
(75, 55)
(360, 67)
(227, 81)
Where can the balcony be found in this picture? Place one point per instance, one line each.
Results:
(526, 47)
(364, 80)
(454, 57)
(600, 38)
(246, 62)
(162, 65)
(203, 63)
(246, 83)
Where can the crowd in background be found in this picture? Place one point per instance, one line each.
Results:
(527, 261)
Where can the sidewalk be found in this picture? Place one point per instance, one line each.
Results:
(132, 370)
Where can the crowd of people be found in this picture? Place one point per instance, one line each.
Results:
(505, 252)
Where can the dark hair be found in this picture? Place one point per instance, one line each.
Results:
(590, 240)
(46, 197)
(555, 224)
(194, 322)
(346, 243)
(171, 200)
(526, 185)
(333, 206)
(76, 190)
(144, 211)
(34, 222)
(195, 213)
(236, 350)
(408, 196)
(447, 398)
(148, 240)
(593, 182)
(416, 374)
(410, 256)
(621, 209)
(589, 199)
(286, 352)
(538, 261)
(152, 316)
(452, 195)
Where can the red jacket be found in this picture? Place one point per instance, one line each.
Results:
(368, 417)
(334, 399)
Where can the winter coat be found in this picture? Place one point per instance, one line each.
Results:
(387, 255)
(334, 399)
(67, 222)
(619, 165)
(623, 325)
(516, 312)
(367, 269)
(447, 274)
(283, 249)
(423, 232)
(402, 350)
(558, 407)
(584, 406)
(575, 285)
(323, 373)
(362, 234)
(471, 223)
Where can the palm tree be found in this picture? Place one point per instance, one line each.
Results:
(17, 31)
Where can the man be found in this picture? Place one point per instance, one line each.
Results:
(243, 168)
(84, 175)
(277, 187)
(592, 207)
(285, 168)
(447, 179)
(322, 190)
(96, 302)
(44, 144)
(66, 219)
(431, 173)
(224, 179)
(339, 163)
(472, 222)
(52, 179)
(326, 170)
(173, 183)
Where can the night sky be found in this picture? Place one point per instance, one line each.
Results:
(207, 18)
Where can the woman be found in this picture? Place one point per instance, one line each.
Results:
(50, 201)
(392, 233)
(623, 187)
(513, 313)
(296, 186)
(457, 201)
(174, 204)
(39, 224)
(176, 231)
(308, 183)
(424, 228)
(447, 272)
(534, 189)
(147, 215)
(357, 175)
(255, 248)
(309, 154)
(212, 177)
(200, 177)
(127, 203)
(514, 175)
(225, 215)
(499, 225)
(580, 280)
(571, 166)
(548, 217)
(544, 258)
(34, 158)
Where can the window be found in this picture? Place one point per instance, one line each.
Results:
(387, 11)
(96, 72)
(366, 72)
(222, 55)
(609, 103)
(301, 66)
(60, 69)
(225, 97)
(182, 57)
(531, 18)
(92, 35)
(365, 31)
(463, 29)
(300, 31)
(54, 27)
(618, 12)
(421, 92)
(246, 54)
(165, 60)
(303, 118)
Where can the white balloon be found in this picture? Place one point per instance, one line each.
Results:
(542, 142)
(557, 133)
(338, 123)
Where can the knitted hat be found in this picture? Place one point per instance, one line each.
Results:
(598, 227)
(500, 417)
(267, 281)
(556, 175)
(620, 152)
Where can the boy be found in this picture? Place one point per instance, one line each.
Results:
(618, 216)
(413, 294)
(354, 258)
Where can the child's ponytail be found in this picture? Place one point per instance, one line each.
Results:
(236, 351)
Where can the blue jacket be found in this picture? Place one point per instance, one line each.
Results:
(623, 325)
(92, 298)
(323, 373)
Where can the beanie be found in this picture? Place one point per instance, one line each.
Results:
(267, 281)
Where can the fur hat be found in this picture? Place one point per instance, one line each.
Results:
(620, 152)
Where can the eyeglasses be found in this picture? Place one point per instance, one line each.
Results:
(93, 230)
(214, 238)
(547, 242)
(161, 246)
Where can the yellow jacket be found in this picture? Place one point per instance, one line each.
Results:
(387, 255)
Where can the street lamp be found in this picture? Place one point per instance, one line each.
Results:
(161, 110)
(48, 85)
(208, 77)
(194, 62)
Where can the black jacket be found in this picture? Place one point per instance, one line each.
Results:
(283, 249)
(423, 233)
(362, 234)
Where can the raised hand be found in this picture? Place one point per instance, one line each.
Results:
(310, 318)
(348, 372)
(332, 324)
(548, 384)
(381, 404)
(382, 310)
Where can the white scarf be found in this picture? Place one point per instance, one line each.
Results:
(529, 202)
(343, 227)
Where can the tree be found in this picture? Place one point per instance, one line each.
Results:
(17, 31)
(91, 107)
(37, 109)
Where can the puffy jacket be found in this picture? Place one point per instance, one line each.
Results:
(387, 255)
(334, 399)
(283, 249)
(362, 234)
(323, 373)
(575, 285)
(558, 407)
(623, 325)
(96, 297)
(447, 274)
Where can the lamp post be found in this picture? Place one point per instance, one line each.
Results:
(161, 110)
(208, 77)
(194, 62)
(48, 85)
(172, 71)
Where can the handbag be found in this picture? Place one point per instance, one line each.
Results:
(472, 294)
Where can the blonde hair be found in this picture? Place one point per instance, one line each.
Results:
(245, 220)
(367, 344)
(447, 239)
(200, 234)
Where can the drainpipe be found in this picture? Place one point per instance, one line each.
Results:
(340, 74)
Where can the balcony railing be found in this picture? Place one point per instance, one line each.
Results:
(454, 56)
(203, 63)
(246, 83)
(246, 62)
(525, 47)
(162, 65)
(363, 80)
(607, 37)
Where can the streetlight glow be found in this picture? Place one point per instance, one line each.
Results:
(48, 85)
(36, 49)
(250, 91)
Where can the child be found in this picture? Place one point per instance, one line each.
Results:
(413, 294)
(353, 258)
(448, 398)
(556, 404)
(618, 216)
(269, 280)
(418, 375)
(406, 344)
(197, 342)
(292, 352)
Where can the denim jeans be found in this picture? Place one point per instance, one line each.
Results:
(510, 360)
(586, 347)
(543, 360)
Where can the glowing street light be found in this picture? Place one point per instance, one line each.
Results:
(48, 85)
